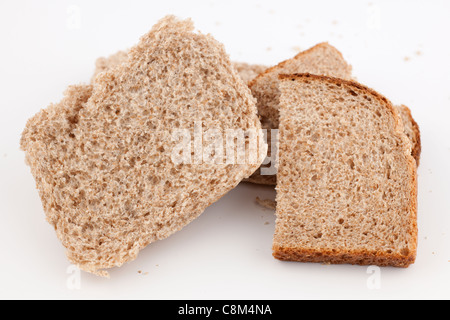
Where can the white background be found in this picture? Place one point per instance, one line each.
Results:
(399, 48)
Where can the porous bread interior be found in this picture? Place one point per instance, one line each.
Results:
(412, 131)
(102, 156)
(104, 64)
(247, 71)
(346, 184)
(322, 59)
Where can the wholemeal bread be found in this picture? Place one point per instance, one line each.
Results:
(103, 157)
(410, 126)
(346, 189)
(412, 131)
(103, 64)
(322, 59)
(246, 71)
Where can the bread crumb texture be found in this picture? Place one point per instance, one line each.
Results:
(346, 188)
(322, 59)
(101, 157)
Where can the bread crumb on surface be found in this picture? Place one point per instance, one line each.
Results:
(406, 58)
(266, 203)
(266, 223)
(418, 53)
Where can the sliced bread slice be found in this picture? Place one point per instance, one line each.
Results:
(322, 59)
(346, 184)
(410, 126)
(103, 157)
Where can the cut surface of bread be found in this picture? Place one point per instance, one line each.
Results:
(322, 59)
(102, 158)
(246, 71)
(104, 64)
(346, 184)
(412, 131)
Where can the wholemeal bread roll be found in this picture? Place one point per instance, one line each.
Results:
(346, 189)
(103, 157)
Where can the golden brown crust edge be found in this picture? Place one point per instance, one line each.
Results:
(281, 64)
(361, 257)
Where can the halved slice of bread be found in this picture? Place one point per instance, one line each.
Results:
(103, 158)
(346, 184)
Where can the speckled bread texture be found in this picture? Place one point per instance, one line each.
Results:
(322, 59)
(246, 71)
(104, 64)
(346, 189)
(102, 157)
(412, 131)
